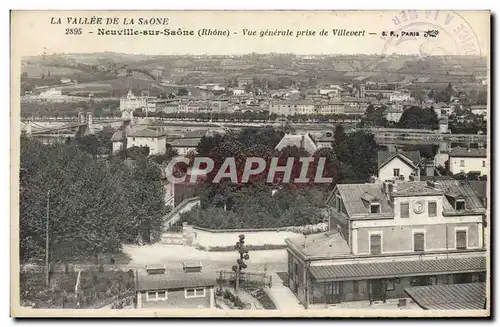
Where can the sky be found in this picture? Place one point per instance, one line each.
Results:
(463, 32)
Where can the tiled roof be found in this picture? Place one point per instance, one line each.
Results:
(462, 189)
(415, 189)
(185, 142)
(385, 156)
(175, 279)
(300, 140)
(352, 196)
(357, 271)
(480, 188)
(471, 152)
(146, 132)
(329, 243)
(470, 296)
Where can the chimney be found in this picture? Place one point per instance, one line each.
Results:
(388, 188)
(302, 141)
(429, 169)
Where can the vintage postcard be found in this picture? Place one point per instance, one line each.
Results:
(250, 163)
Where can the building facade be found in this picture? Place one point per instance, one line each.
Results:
(156, 141)
(399, 166)
(468, 161)
(161, 288)
(384, 238)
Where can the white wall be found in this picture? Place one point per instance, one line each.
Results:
(210, 239)
(117, 146)
(157, 145)
(470, 164)
(387, 171)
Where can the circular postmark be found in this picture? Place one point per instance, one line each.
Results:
(430, 33)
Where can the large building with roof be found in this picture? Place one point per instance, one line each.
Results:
(386, 237)
(399, 166)
(468, 160)
(155, 140)
(189, 287)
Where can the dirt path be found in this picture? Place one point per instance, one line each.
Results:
(275, 260)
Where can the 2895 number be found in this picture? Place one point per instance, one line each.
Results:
(73, 31)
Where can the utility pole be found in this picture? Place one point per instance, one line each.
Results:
(47, 240)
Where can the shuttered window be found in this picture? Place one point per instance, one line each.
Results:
(405, 210)
(418, 242)
(461, 240)
(375, 244)
(432, 209)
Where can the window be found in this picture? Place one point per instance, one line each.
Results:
(484, 163)
(461, 239)
(460, 204)
(396, 172)
(375, 244)
(156, 295)
(389, 284)
(432, 280)
(405, 210)
(337, 203)
(462, 163)
(418, 242)
(195, 292)
(432, 208)
(375, 208)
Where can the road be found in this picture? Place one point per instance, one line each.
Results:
(275, 260)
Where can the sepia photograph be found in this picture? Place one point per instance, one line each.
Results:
(250, 163)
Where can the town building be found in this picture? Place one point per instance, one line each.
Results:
(394, 113)
(186, 288)
(292, 108)
(130, 102)
(117, 141)
(468, 160)
(155, 140)
(301, 141)
(189, 140)
(331, 108)
(384, 238)
(480, 110)
(399, 96)
(399, 165)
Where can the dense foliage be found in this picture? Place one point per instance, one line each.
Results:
(419, 118)
(260, 204)
(95, 205)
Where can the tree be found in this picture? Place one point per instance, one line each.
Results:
(182, 91)
(137, 152)
(419, 118)
(164, 158)
(95, 206)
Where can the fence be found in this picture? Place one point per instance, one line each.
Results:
(247, 279)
